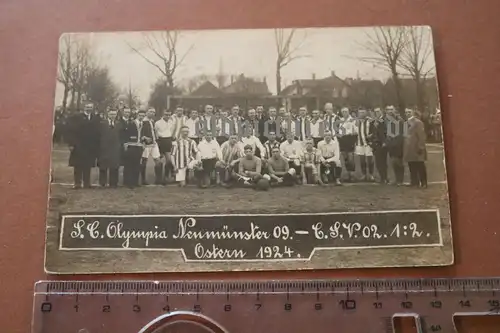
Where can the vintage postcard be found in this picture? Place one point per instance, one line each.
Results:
(257, 149)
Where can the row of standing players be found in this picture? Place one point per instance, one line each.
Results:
(114, 141)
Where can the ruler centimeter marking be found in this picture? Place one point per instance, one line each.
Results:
(357, 306)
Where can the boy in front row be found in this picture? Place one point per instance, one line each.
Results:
(310, 164)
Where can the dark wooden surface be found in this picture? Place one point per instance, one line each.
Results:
(468, 59)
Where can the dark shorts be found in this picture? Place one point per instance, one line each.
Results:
(165, 145)
(221, 139)
(208, 165)
(316, 141)
(347, 143)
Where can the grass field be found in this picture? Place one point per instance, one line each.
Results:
(192, 200)
(172, 199)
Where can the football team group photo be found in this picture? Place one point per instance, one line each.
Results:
(241, 122)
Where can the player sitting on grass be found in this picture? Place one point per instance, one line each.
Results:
(249, 168)
(280, 172)
(310, 164)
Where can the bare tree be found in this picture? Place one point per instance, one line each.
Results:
(166, 58)
(286, 53)
(386, 46)
(415, 60)
(65, 67)
(82, 67)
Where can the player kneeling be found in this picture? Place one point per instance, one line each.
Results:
(249, 168)
(280, 173)
(310, 164)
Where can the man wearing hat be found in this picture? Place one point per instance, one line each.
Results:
(415, 153)
(83, 141)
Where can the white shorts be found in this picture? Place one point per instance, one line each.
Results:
(180, 176)
(151, 151)
(363, 151)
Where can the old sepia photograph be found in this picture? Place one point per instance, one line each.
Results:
(255, 149)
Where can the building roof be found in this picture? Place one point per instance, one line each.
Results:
(315, 85)
(245, 85)
(207, 89)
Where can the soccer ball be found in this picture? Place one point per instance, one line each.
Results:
(262, 185)
(267, 177)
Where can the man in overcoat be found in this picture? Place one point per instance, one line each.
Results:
(415, 153)
(82, 136)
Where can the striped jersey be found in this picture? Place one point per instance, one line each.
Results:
(364, 132)
(183, 152)
(269, 146)
(310, 157)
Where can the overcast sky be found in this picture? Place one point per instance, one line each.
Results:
(252, 52)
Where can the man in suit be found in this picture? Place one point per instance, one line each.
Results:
(415, 153)
(379, 144)
(83, 142)
(271, 124)
(261, 121)
(132, 150)
(395, 142)
(110, 148)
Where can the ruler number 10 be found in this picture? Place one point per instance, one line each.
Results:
(348, 304)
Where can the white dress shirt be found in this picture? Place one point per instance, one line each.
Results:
(209, 150)
(254, 142)
(163, 128)
(330, 151)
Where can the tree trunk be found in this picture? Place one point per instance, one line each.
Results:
(399, 93)
(78, 98)
(278, 85)
(72, 104)
(420, 91)
(170, 81)
(65, 98)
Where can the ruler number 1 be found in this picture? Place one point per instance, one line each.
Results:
(46, 307)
